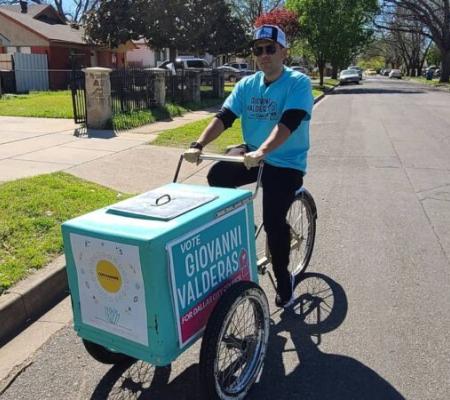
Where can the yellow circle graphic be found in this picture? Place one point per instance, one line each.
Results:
(108, 276)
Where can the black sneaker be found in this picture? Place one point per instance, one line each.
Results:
(288, 301)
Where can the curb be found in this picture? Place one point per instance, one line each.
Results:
(30, 298)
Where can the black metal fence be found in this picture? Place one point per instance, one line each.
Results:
(7, 82)
(77, 84)
(132, 90)
(177, 86)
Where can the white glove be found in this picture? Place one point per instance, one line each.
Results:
(253, 158)
(193, 156)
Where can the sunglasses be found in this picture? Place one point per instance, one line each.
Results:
(268, 49)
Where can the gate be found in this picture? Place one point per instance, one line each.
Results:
(31, 72)
(78, 88)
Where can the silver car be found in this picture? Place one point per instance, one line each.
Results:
(395, 73)
(349, 76)
(231, 74)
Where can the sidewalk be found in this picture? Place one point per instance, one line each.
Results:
(125, 163)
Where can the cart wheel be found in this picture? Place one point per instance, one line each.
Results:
(235, 342)
(105, 356)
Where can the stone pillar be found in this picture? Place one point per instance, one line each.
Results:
(98, 97)
(159, 85)
(218, 83)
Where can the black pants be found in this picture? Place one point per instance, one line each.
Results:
(279, 187)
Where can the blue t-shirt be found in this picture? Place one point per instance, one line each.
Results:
(260, 108)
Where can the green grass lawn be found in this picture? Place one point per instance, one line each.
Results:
(38, 104)
(59, 105)
(186, 134)
(134, 119)
(434, 82)
(31, 213)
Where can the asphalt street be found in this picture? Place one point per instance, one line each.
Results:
(380, 174)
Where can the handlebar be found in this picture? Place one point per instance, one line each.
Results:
(220, 157)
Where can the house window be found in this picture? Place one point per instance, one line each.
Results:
(18, 49)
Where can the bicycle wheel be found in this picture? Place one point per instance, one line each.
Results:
(302, 220)
(105, 356)
(235, 342)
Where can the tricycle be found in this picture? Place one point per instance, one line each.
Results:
(152, 274)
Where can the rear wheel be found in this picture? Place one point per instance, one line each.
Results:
(235, 342)
(105, 356)
(302, 221)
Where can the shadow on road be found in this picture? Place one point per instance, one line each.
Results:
(366, 90)
(320, 307)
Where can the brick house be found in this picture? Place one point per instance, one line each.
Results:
(39, 29)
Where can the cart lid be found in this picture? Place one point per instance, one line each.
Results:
(163, 203)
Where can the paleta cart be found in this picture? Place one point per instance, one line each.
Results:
(152, 274)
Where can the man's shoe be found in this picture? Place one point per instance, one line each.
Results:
(286, 302)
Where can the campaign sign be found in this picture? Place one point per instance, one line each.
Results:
(203, 264)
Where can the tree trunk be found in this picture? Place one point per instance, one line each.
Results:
(321, 68)
(334, 72)
(445, 70)
(321, 65)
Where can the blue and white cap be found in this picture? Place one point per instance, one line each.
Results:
(270, 32)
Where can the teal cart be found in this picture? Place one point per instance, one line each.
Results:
(152, 274)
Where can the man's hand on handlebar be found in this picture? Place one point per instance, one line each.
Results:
(253, 158)
(193, 156)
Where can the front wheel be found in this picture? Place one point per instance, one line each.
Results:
(302, 221)
(235, 342)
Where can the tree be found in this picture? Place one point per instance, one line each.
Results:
(353, 20)
(434, 18)
(219, 32)
(74, 10)
(315, 18)
(285, 19)
(188, 26)
(114, 22)
(247, 11)
(335, 30)
(434, 56)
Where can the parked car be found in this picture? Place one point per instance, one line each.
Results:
(386, 72)
(239, 66)
(230, 73)
(395, 73)
(349, 76)
(358, 69)
(299, 68)
(242, 67)
(187, 63)
(370, 72)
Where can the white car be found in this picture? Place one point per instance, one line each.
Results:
(231, 74)
(187, 63)
(349, 76)
(299, 68)
(395, 73)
